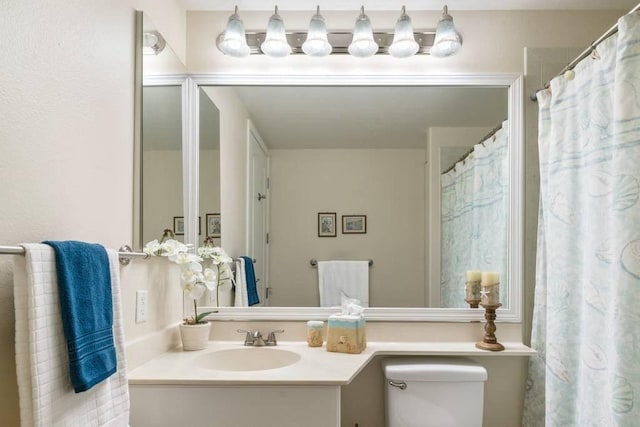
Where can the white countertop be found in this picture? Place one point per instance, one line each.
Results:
(315, 367)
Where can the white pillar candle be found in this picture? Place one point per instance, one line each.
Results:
(473, 276)
(490, 278)
(490, 288)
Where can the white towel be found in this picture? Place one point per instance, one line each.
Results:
(44, 387)
(242, 297)
(348, 278)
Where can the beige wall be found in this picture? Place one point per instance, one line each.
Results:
(385, 185)
(162, 194)
(66, 151)
(209, 201)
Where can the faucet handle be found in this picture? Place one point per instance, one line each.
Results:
(248, 339)
(271, 338)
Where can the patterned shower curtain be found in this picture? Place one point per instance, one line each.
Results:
(474, 206)
(586, 323)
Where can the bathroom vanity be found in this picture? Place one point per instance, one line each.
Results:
(288, 385)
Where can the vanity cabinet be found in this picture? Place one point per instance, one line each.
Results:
(234, 406)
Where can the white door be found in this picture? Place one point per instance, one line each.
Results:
(258, 211)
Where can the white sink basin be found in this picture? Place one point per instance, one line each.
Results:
(247, 359)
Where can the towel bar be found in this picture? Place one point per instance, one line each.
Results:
(124, 253)
(314, 262)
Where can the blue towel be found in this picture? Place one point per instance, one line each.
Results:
(250, 275)
(84, 285)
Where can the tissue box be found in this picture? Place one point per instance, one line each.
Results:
(346, 333)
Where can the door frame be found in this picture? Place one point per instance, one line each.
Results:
(252, 131)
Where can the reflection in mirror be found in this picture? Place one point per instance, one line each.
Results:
(362, 151)
(209, 169)
(474, 207)
(161, 160)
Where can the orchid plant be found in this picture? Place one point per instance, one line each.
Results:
(194, 278)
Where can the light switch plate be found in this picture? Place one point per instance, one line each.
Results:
(142, 306)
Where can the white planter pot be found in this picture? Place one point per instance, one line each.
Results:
(194, 337)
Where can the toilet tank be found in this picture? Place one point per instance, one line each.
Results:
(425, 392)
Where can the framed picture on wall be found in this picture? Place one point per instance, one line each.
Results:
(214, 227)
(354, 224)
(178, 225)
(327, 224)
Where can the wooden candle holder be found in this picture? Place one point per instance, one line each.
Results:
(490, 341)
(473, 303)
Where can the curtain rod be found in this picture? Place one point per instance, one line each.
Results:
(465, 155)
(585, 53)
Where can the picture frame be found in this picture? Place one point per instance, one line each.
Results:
(327, 224)
(354, 224)
(178, 226)
(214, 226)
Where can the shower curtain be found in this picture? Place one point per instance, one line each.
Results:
(586, 323)
(474, 206)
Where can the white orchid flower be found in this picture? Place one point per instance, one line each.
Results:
(173, 247)
(191, 273)
(152, 247)
(206, 251)
(220, 256)
(194, 291)
(185, 258)
(210, 278)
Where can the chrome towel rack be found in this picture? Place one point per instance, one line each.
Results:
(125, 253)
(314, 262)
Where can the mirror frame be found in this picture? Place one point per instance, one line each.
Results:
(515, 234)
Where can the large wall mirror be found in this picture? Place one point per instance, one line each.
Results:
(369, 146)
(376, 146)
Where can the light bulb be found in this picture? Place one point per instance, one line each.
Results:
(234, 41)
(275, 43)
(404, 43)
(317, 43)
(447, 40)
(363, 44)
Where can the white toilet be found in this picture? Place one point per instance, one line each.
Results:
(433, 392)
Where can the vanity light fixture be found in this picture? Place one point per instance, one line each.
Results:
(275, 44)
(447, 41)
(152, 43)
(317, 43)
(362, 42)
(404, 43)
(233, 41)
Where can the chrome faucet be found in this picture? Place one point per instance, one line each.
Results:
(255, 338)
(271, 338)
(258, 341)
